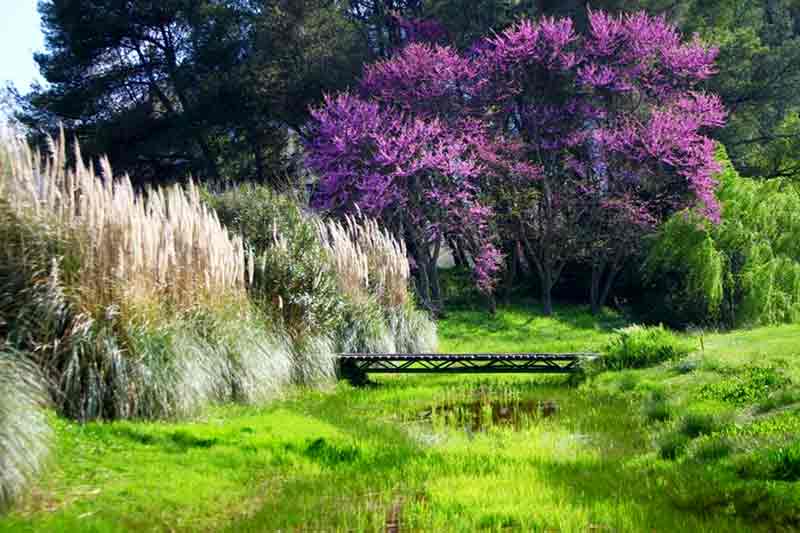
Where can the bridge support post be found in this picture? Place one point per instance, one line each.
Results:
(349, 370)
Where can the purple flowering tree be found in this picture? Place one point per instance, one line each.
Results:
(615, 122)
(572, 145)
(405, 151)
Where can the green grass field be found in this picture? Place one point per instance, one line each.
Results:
(702, 444)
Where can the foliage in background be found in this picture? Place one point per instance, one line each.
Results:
(743, 271)
(203, 88)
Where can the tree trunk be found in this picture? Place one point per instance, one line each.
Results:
(433, 276)
(511, 271)
(594, 289)
(547, 276)
(547, 295)
(602, 282)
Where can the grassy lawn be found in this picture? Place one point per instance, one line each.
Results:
(520, 328)
(452, 453)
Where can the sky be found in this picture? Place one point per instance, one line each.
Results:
(20, 37)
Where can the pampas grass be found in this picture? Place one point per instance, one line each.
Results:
(373, 271)
(364, 330)
(24, 432)
(413, 329)
(128, 301)
(162, 246)
(314, 360)
(369, 260)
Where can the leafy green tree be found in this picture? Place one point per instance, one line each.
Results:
(759, 64)
(177, 87)
(743, 271)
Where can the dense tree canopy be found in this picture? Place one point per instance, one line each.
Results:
(493, 127)
(573, 141)
(174, 87)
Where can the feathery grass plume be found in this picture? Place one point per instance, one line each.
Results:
(162, 246)
(24, 432)
(369, 260)
(349, 260)
(373, 271)
(99, 284)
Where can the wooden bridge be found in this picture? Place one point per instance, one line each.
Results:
(354, 364)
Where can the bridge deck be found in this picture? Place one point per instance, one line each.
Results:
(474, 363)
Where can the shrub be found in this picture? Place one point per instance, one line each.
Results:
(640, 346)
(293, 282)
(24, 432)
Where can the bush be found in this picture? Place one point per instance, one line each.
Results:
(24, 432)
(640, 346)
(293, 282)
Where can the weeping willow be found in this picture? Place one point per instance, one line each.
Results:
(744, 270)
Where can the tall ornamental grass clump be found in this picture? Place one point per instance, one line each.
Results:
(744, 270)
(126, 300)
(373, 273)
(24, 432)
